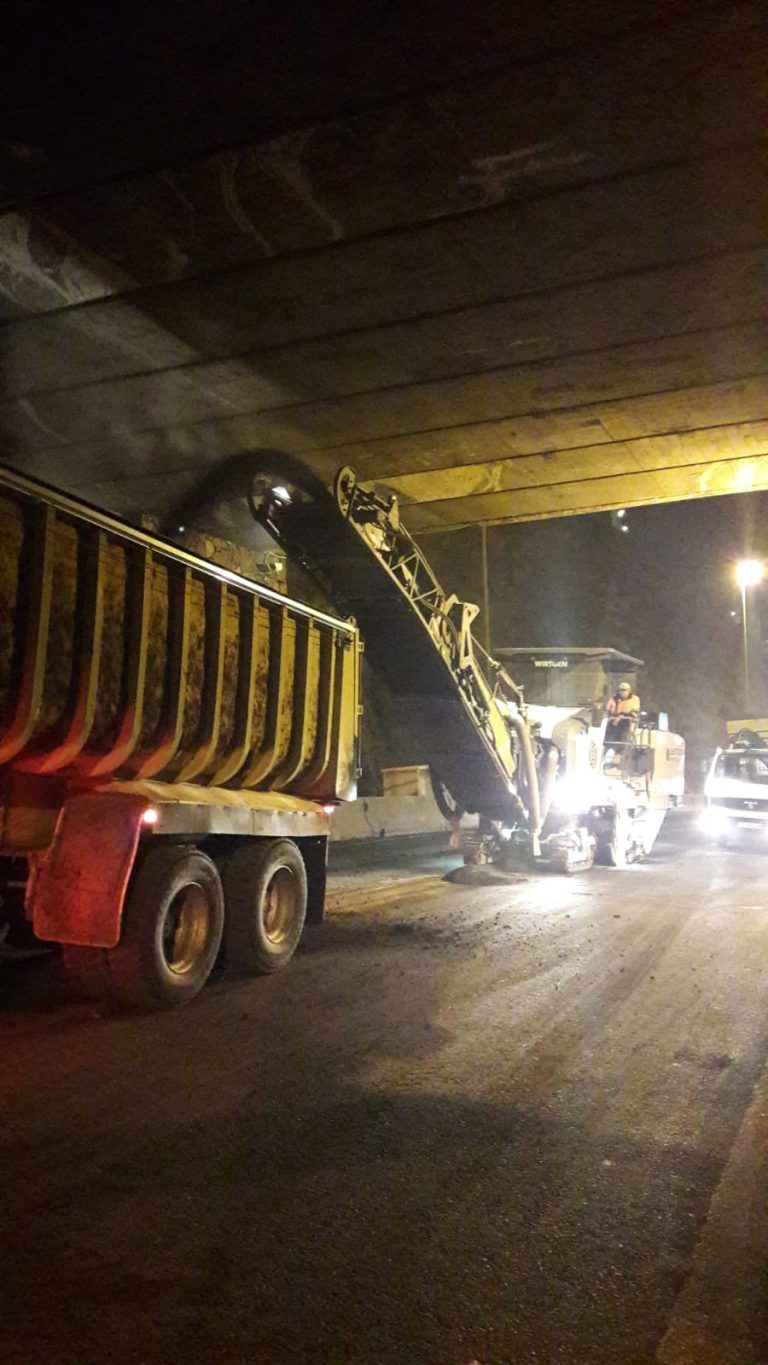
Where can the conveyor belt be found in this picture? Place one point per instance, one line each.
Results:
(416, 636)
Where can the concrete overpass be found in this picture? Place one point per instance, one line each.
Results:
(505, 259)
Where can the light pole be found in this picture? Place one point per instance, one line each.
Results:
(748, 573)
(486, 598)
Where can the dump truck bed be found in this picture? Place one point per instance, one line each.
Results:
(123, 656)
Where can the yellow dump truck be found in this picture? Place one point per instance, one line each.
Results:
(173, 739)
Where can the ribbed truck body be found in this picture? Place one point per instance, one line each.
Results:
(136, 676)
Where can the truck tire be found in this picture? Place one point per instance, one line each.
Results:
(265, 885)
(172, 927)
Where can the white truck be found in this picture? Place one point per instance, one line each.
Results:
(736, 787)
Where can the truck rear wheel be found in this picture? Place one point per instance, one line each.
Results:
(265, 885)
(172, 926)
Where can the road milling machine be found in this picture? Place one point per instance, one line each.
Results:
(545, 784)
(615, 792)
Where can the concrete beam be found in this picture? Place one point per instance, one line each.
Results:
(380, 425)
(659, 220)
(528, 293)
(503, 137)
(743, 471)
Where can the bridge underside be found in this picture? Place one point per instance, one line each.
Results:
(507, 262)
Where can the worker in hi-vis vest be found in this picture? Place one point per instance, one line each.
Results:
(623, 709)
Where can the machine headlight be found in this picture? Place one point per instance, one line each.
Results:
(568, 798)
(713, 821)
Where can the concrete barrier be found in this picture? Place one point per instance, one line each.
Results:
(377, 817)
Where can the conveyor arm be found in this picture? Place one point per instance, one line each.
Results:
(462, 711)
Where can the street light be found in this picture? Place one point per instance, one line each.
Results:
(748, 573)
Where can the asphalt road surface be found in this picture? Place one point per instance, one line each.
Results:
(504, 1125)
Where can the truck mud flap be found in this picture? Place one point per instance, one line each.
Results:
(80, 888)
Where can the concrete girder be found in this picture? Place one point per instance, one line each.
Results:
(503, 138)
(702, 463)
(517, 253)
(742, 474)
(383, 424)
(180, 90)
(551, 325)
(519, 295)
